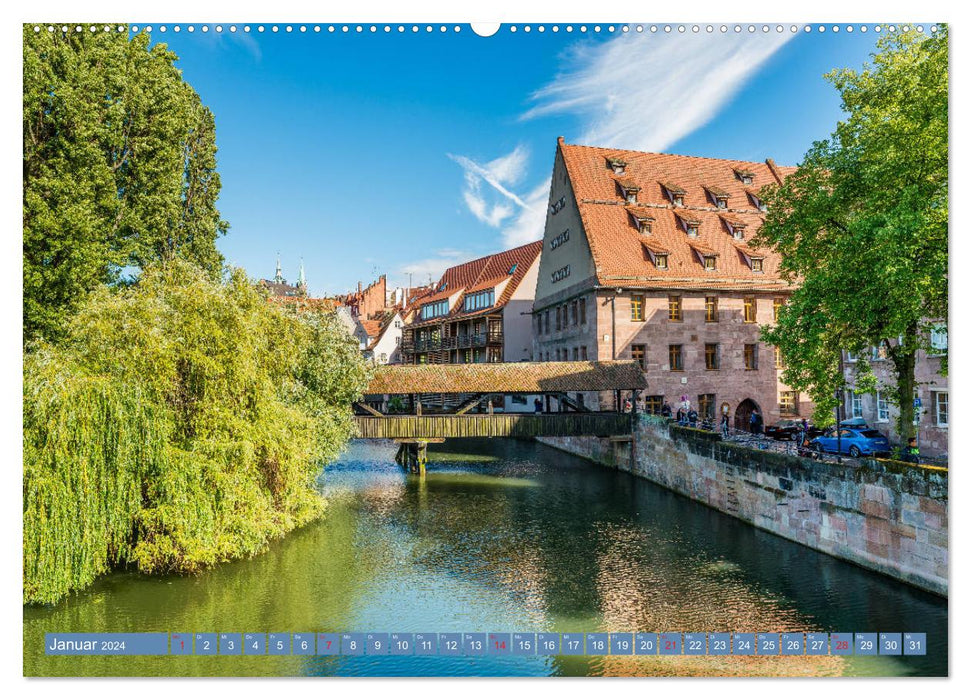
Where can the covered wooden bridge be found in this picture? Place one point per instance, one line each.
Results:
(417, 404)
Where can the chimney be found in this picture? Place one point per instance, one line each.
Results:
(774, 170)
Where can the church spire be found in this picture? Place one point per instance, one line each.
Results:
(279, 271)
(302, 280)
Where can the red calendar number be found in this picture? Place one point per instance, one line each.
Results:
(842, 645)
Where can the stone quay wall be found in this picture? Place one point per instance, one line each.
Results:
(886, 516)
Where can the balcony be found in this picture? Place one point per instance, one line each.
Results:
(426, 344)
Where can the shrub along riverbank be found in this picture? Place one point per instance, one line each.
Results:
(180, 423)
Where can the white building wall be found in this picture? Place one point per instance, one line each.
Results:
(517, 320)
(389, 345)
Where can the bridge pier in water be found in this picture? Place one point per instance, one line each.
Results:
(413, 455)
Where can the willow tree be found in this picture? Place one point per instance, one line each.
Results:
(180, 422)
(119, 167)
(862, 225)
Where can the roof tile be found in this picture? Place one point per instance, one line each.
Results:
(620, 251)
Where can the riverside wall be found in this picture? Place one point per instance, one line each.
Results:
(886, 516)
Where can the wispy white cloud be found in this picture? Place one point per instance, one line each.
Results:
(530, 220)
(520, 217)
(645, 92)
(639, 92)
(492, 208)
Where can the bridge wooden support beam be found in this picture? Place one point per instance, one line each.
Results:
(363, 406)
(413, 456)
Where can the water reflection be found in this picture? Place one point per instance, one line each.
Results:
(502, 535)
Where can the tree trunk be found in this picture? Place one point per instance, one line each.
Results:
(904, 358)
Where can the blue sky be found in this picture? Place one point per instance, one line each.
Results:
(404, 153)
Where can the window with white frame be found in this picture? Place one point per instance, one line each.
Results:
(850, 356)
(856, 405)
(883, 407)
(938, 340)
(940, 408)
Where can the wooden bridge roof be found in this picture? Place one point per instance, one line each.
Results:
(507, 378)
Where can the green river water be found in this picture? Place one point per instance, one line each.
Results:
(502, 536)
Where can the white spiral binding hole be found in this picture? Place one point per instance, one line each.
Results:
(512, 28)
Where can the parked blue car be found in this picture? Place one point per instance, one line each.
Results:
(855, 442)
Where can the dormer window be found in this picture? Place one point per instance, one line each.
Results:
(745, 176)
(434, 309)
(659, 256)
(690, 226)
(617, 165)
(736, 228)
(756, 264)
(707, 256)
(757, 201)
(643, 221)
(630, 190)
(718, 196)
(675, 194)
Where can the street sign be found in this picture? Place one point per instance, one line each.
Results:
(917, 403)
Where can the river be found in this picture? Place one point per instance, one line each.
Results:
(502, 536)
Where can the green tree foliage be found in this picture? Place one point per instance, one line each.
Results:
(180, 422)
(119, 168)
(862, 225)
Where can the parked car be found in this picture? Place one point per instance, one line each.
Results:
(855, 442)
(789, 429)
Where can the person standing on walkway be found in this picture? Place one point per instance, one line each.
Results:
(755, 422)
(537, 405)
(666, 410)
(912, 453)
(724, 425)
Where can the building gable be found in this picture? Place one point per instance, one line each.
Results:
(567, 263)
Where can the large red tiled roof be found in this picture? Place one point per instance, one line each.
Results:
(618, 247)
(484, 273)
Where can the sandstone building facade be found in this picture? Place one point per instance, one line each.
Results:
(647, 256)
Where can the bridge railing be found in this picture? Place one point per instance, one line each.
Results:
(495, 425)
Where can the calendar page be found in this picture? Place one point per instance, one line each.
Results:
(524, 349)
